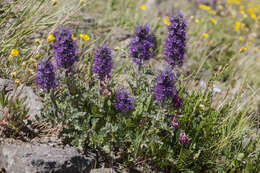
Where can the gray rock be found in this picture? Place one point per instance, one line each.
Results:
(103, 170)
(33, 102)
(27, 158)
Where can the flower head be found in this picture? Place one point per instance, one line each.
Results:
(165, 85)
(174, 45)
(175, 123)
(177, 101)
(50, 38)
(84, 37)
(183, 139)
(45, 75)
(64, 48)
(124, 102)
(102, 64)
(143, 7)
(142, 44)
(14, 52)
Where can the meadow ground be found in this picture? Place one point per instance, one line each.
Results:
(222, 55)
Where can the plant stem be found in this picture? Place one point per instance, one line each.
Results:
(54, 101)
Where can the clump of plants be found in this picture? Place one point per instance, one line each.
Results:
(153, 120)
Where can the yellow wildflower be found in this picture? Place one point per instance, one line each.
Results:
(143, 7)
(205, 7)
(241, 38)
(31, 71)
(37, 41)
(237, 26)
(73, 37)
(84, 37)
(17, 81)
(252, 13)
(213, 21)
(13, 74)
(243, 49)
(50, 38)
(166, 21)
(205, 35)
(220, 7)
(197, 21)
(14, 52)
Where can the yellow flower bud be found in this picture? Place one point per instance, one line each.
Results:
(143, 7)
(243, 49)
(37, 55)
(13, 74)
(166, 21)
(205, 35)
(24, 64)
(17, 81)
(37, 41)
(31, 71)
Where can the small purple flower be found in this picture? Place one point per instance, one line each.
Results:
(45, 75)
(142, 44)
(175, 123)
(183, 139)
(165, 85)
(174, 45)
(102, 64)
(177, 101)
(124, 102)
(64, 48)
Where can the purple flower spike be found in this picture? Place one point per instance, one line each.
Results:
(124, 102)
(183, 139)
(102, 64)
(177, 101)
(174, 45)
(45, 76)
(165, 85)
(142, 44)
(64, 48)
(175, 123)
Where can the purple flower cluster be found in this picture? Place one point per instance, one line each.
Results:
(142, 44)
(124, 102)
(174, 45)
(183, 139)
(165, 85)
(102, 64)
(45, 76)
(175, 123)
(64, 48)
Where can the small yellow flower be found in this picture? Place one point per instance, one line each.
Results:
(82, 2)
(220, 7)
(241, 38)
(243, 49)
(205, 35)
(252, 13)
(166, 21)
(197, 21)
(205, 7)
(17, 81)
(24, 64)
(31, 71)
(50, 38)
(13, 74)
(84, 37)
(213, 21)
(237, 26)
(14, 52)
(37, 41)
(37, 55)
(143, 7)
(35, 64)
(73, 37)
